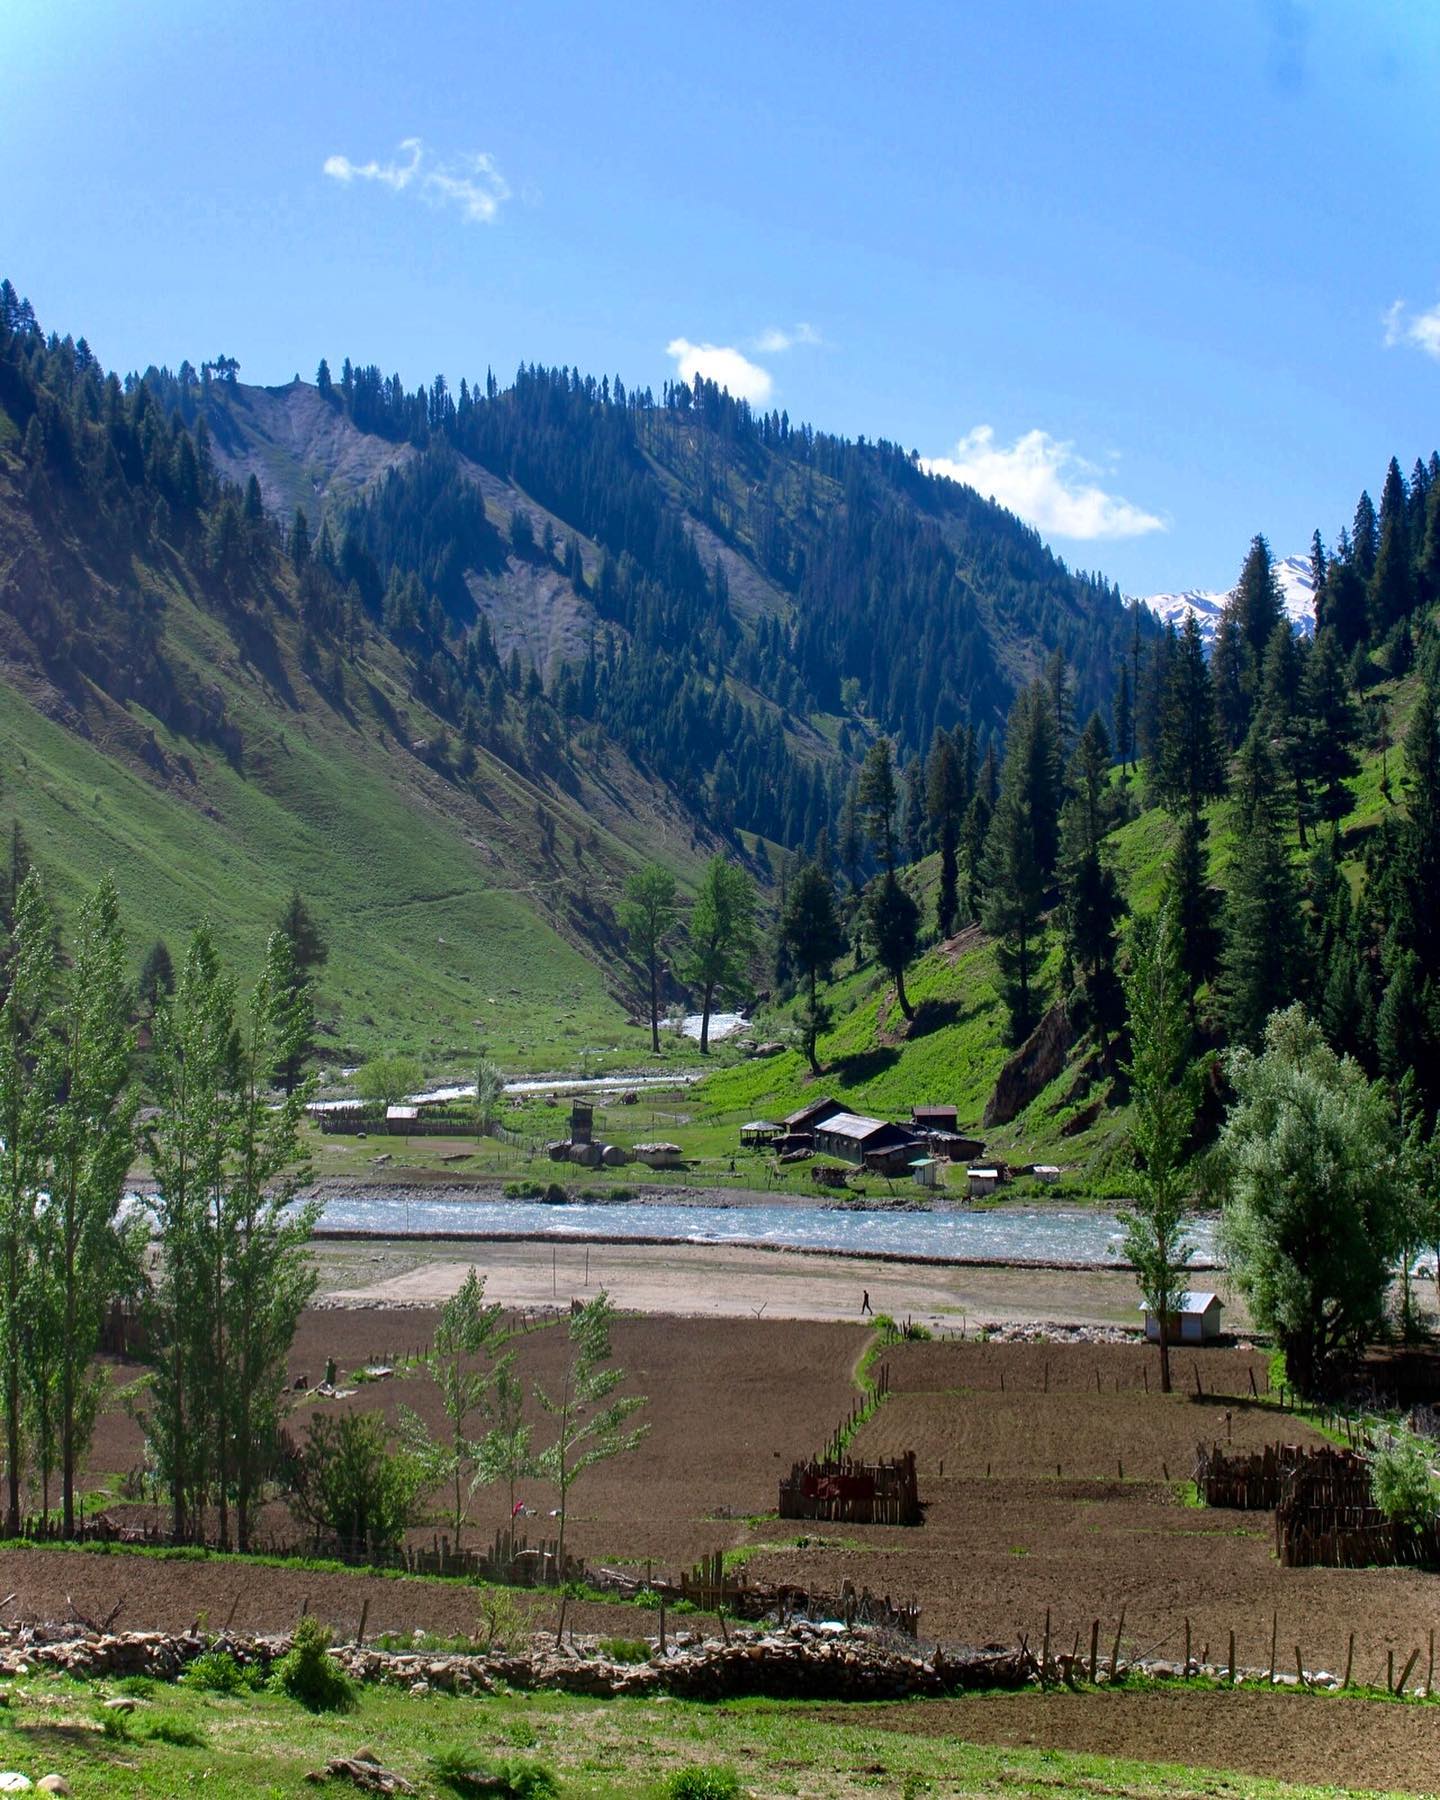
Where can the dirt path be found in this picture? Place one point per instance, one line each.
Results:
(722, 1281)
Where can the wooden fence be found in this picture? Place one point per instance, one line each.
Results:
(1325, 1516)
(712, 1586)
(843, 1491)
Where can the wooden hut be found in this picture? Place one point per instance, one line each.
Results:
(1196, 1320)
(855, 1139)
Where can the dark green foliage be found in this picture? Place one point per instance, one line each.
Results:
(217, 1672)
(157, 975)
(1194, 904)
(1091, 903)
(1263, 957)
(811, 932)
(1020, 856)
(648, 917)
(165, 1728)
(471, 1772)
(1190, 769)
(721, 938)
(713, 1782)
(309, 1675)
(892, 925)
(349, 1485)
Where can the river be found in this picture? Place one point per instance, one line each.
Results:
(1005, 1234)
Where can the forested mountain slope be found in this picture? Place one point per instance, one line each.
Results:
(456, 664)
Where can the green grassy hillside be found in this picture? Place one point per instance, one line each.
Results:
(955, 1048)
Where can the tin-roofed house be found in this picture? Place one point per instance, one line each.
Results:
(806, 1118)
(868, 1143)
(1196, 1320)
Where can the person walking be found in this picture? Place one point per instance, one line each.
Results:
(865, 1302)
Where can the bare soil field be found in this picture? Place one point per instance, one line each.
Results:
(1346, 1743)
(1075, 1516)
(1054, 1526)
(730, 1406)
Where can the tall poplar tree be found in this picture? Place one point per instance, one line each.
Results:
(83, 1251)
(31, 974)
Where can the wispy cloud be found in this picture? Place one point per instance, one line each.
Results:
(470, 181)
(1046, 482)
(1413, 330)
(723, 364)
(772, 341)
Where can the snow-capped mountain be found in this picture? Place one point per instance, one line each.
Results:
(1297, 590)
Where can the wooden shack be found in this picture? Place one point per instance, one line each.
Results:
(981, 1181)
(759, 1134)
(935, 1118)
(1196, 1320)
(805, 1118)
(855, 1139)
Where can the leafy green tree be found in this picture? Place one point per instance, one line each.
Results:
(505, 1453)
(811, 930)
(721, 943)
(263, 1238)
(1165, 1091)
(387, 1080)
(892, 924)
(82, 1248)
(489, 1087)
(23, 1126)
(1309, 1154)
(946, 798)
(1012, 910)
(460, 1362)
(648, 916)
(349, 1483)
(590, 1417)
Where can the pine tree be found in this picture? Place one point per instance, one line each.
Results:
(1391, 594)
(1091, 906)
(892, 924)
(1123, 716)
(308, 952)
(1189, 769)
(1334, 729)
(1194, 904)
(1013, 907)
(878, 797)
(1365, 538)
(1262, 960)
(810, 928)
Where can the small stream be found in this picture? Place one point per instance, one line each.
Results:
(1008, 1234)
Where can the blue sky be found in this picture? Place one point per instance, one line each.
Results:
(1159, 275)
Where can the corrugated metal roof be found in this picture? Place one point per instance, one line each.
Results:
(854, 1125)
(1190, 1303)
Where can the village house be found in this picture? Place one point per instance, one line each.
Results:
(867, 1143)
(1196, 1320)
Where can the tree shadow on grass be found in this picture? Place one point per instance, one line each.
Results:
(934, 1015)
(862, 1066)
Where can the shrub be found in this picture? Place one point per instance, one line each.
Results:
(308, 1674)
(625, 1650)
(217, 1672)
(138, 1687)
(703, 1783)
(501, 1621)
(349, 1482)
(522, 1190)
(1402, 1484)
(513, 1778)
(165, 1728)
(115, 1723)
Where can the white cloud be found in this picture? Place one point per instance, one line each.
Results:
(724, 365)
(773, 341)
(1045, 482)
(470, 181)
(1417, 331)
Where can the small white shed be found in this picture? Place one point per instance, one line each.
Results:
(925, 1172)
(1196, 1320)
(401, 1115)
(1047, 1172)
(982, 1181)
